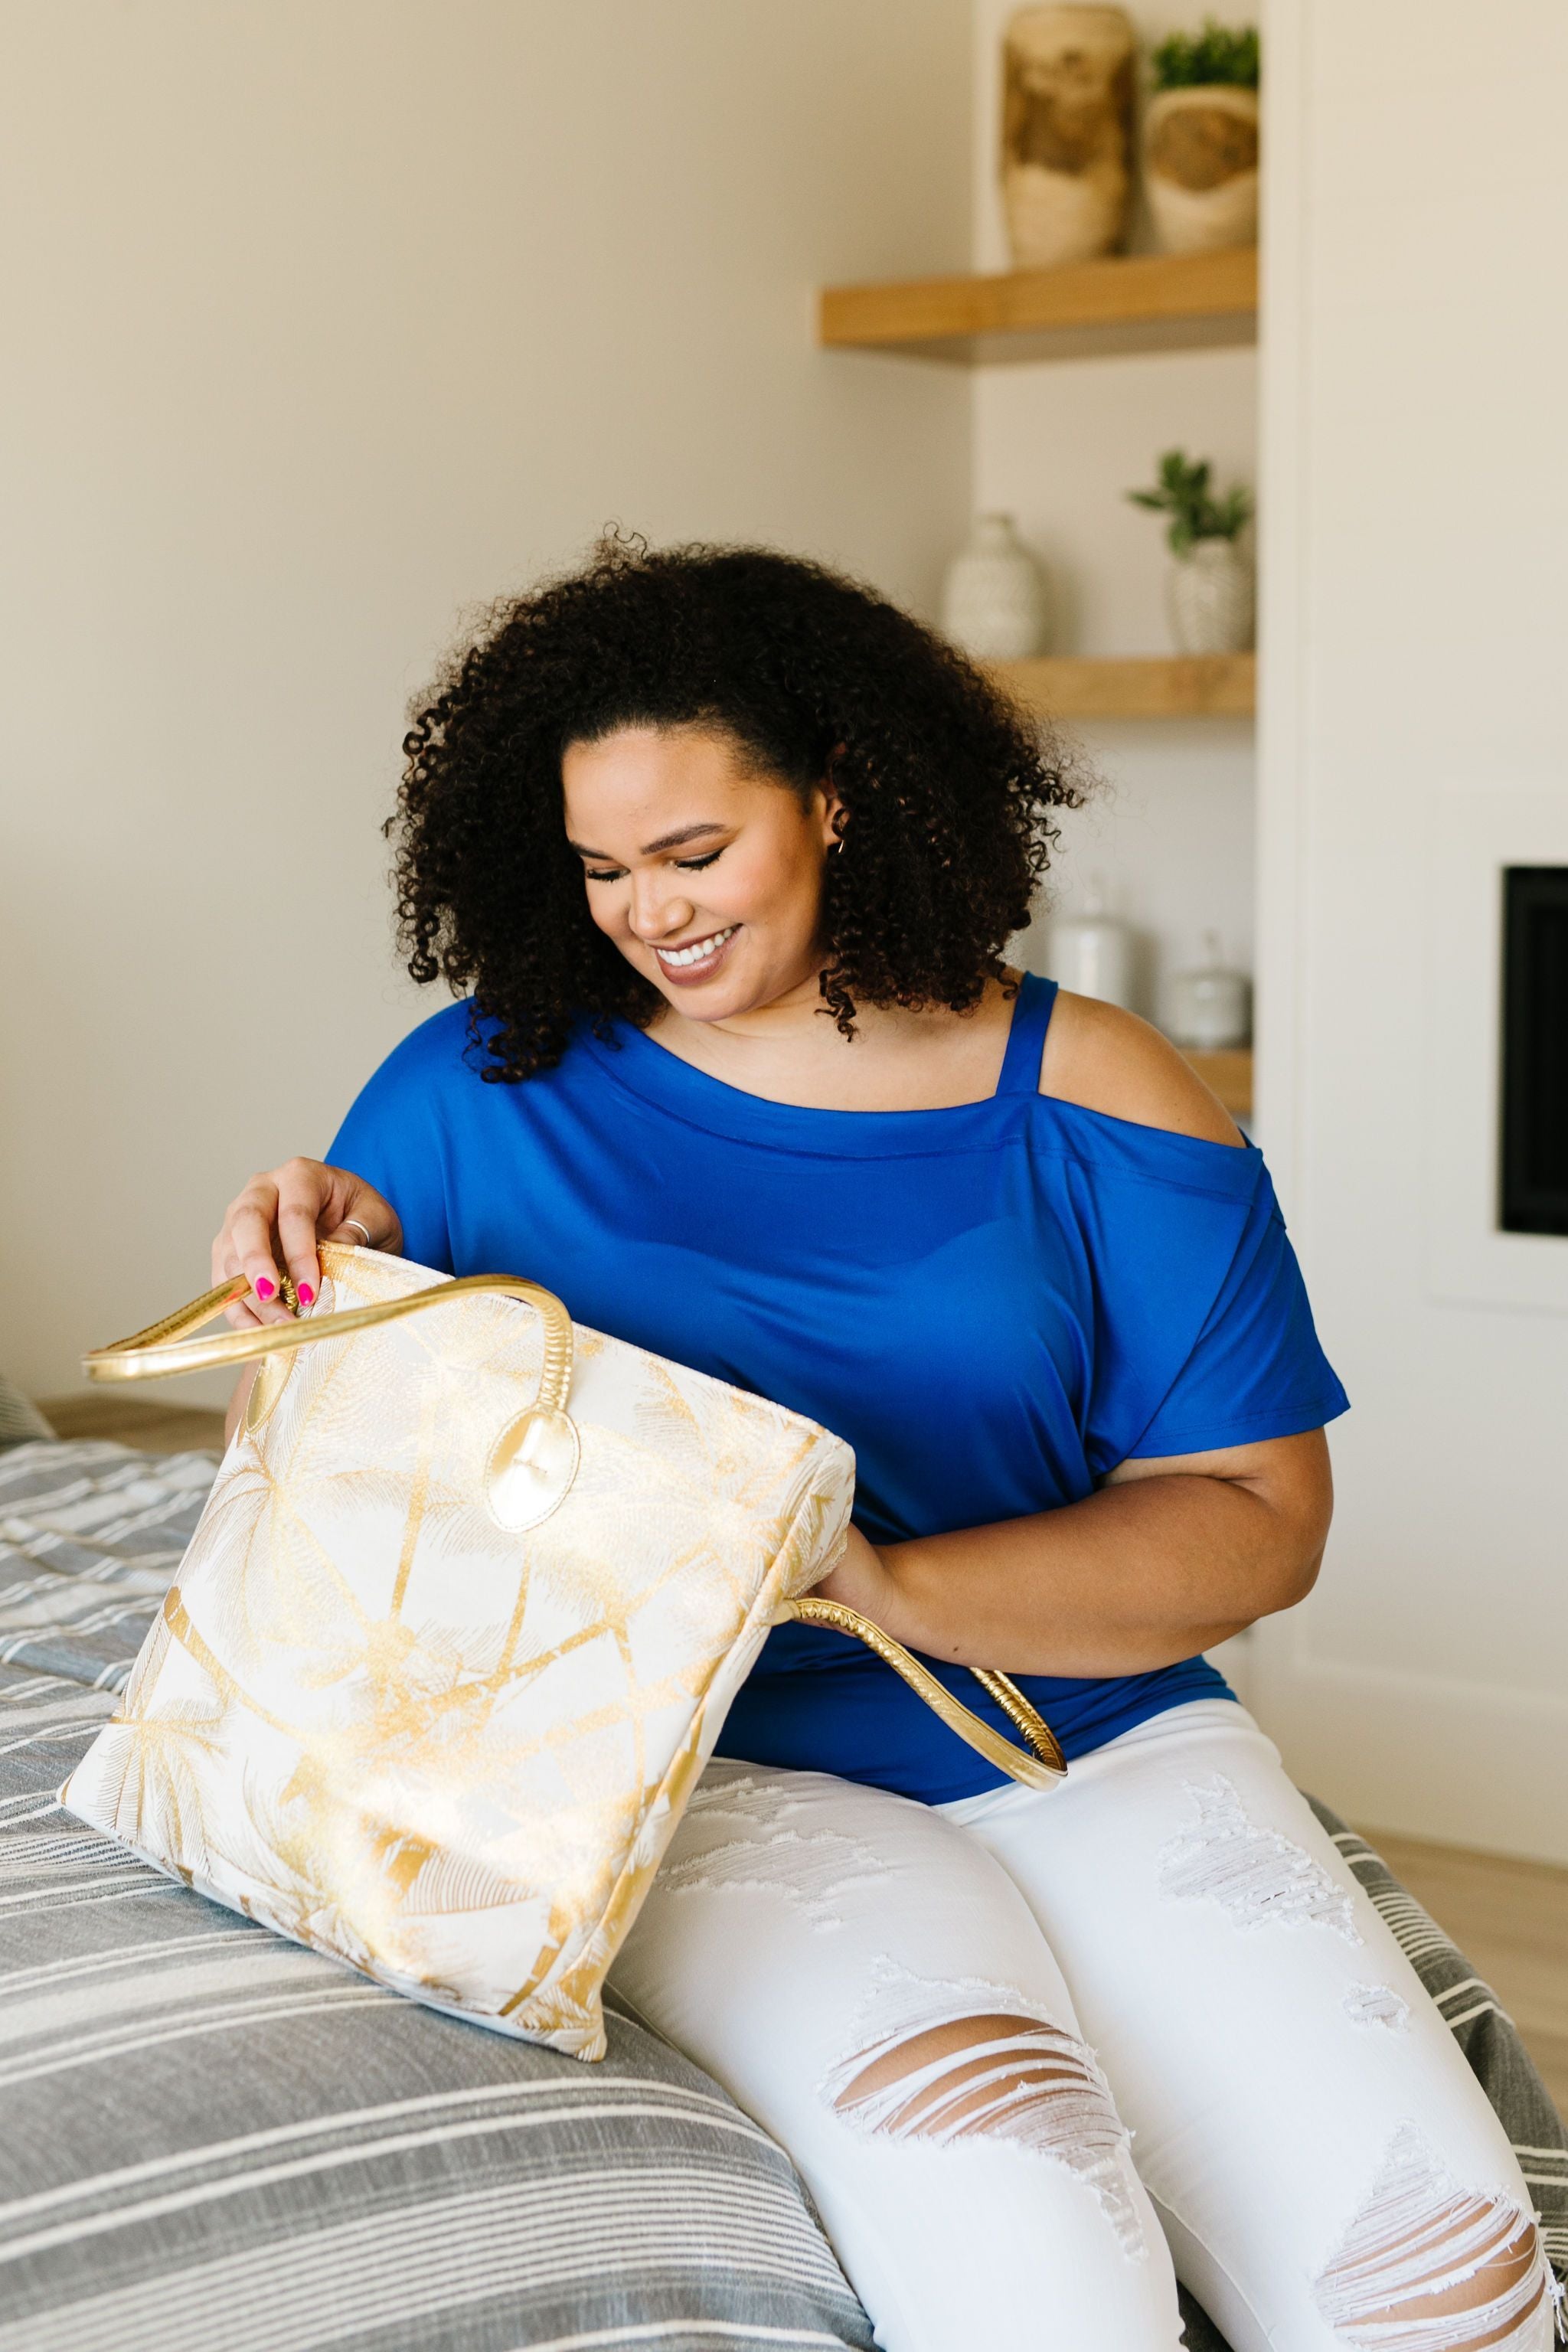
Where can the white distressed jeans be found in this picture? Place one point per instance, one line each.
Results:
(1037, 2056)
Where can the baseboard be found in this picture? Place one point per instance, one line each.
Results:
(1462, 1763)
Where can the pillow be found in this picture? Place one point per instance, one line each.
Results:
(20, 1420)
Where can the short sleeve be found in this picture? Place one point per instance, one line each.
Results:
(392, 1136)
(1256, 1369)
(1204, 1336)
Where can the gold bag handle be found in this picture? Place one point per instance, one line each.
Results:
(164, 1348)
(1041, 1769)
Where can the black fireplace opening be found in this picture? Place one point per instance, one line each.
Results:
(1535, 1050)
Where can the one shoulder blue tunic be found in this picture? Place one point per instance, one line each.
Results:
(994, 1304)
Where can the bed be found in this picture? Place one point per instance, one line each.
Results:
(216, 2139)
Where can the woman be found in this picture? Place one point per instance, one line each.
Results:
(728, 851)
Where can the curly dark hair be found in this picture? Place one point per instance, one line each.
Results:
(946, 790)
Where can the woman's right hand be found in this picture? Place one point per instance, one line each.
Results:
(276, 1222)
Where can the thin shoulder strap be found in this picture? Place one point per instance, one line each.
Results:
(1026, 1038)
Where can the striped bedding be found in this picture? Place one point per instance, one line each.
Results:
(215, 2138)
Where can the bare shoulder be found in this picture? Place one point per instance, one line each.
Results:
(1107, 1060)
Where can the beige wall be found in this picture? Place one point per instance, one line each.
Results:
(1414, 737)
(322, 323)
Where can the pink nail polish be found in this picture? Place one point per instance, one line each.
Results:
(264, 1289)
(307, 1296)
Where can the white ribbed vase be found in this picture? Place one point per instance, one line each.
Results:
(1209, 599)
(994, 604)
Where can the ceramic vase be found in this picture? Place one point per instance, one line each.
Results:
(1209, 599)
(1066, 133)
(1200, 167)
(994, 601)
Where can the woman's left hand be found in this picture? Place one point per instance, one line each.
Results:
(859, 1581)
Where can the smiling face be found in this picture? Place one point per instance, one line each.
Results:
(707, 875)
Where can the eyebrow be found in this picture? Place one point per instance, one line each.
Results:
(650, 848)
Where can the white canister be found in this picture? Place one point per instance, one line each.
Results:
(1211, 1007)
(1091, 953)
(993, 598)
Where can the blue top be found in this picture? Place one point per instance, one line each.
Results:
(994, 1304)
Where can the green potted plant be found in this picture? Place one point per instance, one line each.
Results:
(1209, 589)
(1200, 140)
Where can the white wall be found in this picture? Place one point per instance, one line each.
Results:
(1415, 733)
(1169, 833)
(1058, 443)
(322, 323)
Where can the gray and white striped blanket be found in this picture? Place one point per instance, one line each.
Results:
(216, 2139)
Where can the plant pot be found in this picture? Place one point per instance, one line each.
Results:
(1209, 599)
(1066, 133)
(994, 604)
(1200, 167)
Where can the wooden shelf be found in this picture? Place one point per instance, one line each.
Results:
(1180, 686)
(1228, 1075)
(1129, 302)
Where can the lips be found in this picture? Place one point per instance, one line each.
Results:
(696, 958)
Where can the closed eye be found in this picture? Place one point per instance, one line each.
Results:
(618, 873)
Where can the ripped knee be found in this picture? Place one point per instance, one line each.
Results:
(967, 2074)
(1428, 2266)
